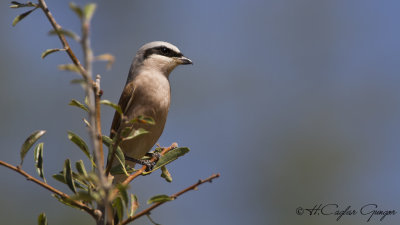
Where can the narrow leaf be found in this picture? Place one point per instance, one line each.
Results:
(38, 155)
(80, 167)
(121, 159)
(85, 196)
(110, 59)
(76, 103)
(59, 177)
(66, 33)
(77, 81)
(42, 219)
(169, 157)
(80, 143)
(69, 67)
(65, 201)
(119, 155)
(76, 9)
(86, 100)
(21, 16)
(68, 175)
(107, 141)
(89, 11)
(49, 51)
(123, 193)
(165, 174)
(20, 5)
(115, 106)
(159, 198)
(172, 155)
(78, 183)
(134, 205)
(136, 132)
(29, 142)
(86, 122)
(118, 207)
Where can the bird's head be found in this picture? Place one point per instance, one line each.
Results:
(160, 56)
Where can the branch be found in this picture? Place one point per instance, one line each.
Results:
(57, 28)
(78, 204)
(174, 196)
(98, 94)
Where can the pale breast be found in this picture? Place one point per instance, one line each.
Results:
(151, 98)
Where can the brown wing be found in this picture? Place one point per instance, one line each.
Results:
(125, 101)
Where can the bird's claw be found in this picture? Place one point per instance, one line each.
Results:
(145, 162)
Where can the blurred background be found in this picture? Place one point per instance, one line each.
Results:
(295, 103)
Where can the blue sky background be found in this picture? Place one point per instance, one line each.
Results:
(295, 103)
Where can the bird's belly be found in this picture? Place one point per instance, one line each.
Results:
(140, 145)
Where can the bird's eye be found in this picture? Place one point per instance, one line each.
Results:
(165, 50)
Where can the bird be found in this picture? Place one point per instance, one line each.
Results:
(146, 93)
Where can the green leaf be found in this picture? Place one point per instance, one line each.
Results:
(59, 177)
(77, 81)
(76, 9)
(88, 11)
(86, 100)
(107, 141)
(86, 196)
(42, 219)
(110, 59)
(165, 174)
(76, 103)
(65, 201)
(136, 132)
(169, 157)
(22, 16)
(118, 207)
(159, 198)
(134, 205)
(69, 67)
(38, 155)
(80, 143)
(66, 33)
(78, 180)
(119, 155)
(86, 122)
(80, 167)
(49, 51)
(121, 159)
(68, 175)
(29, 142)
(115, 106)
(123, 193)
(20, 5)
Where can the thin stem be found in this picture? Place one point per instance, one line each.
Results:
(51, 189)
(57, 28)
(98, 94)
(115, 145)
(95, 119)
(174, 196)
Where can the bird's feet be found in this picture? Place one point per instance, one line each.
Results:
(146, 162)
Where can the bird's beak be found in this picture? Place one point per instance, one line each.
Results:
(184, 61)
